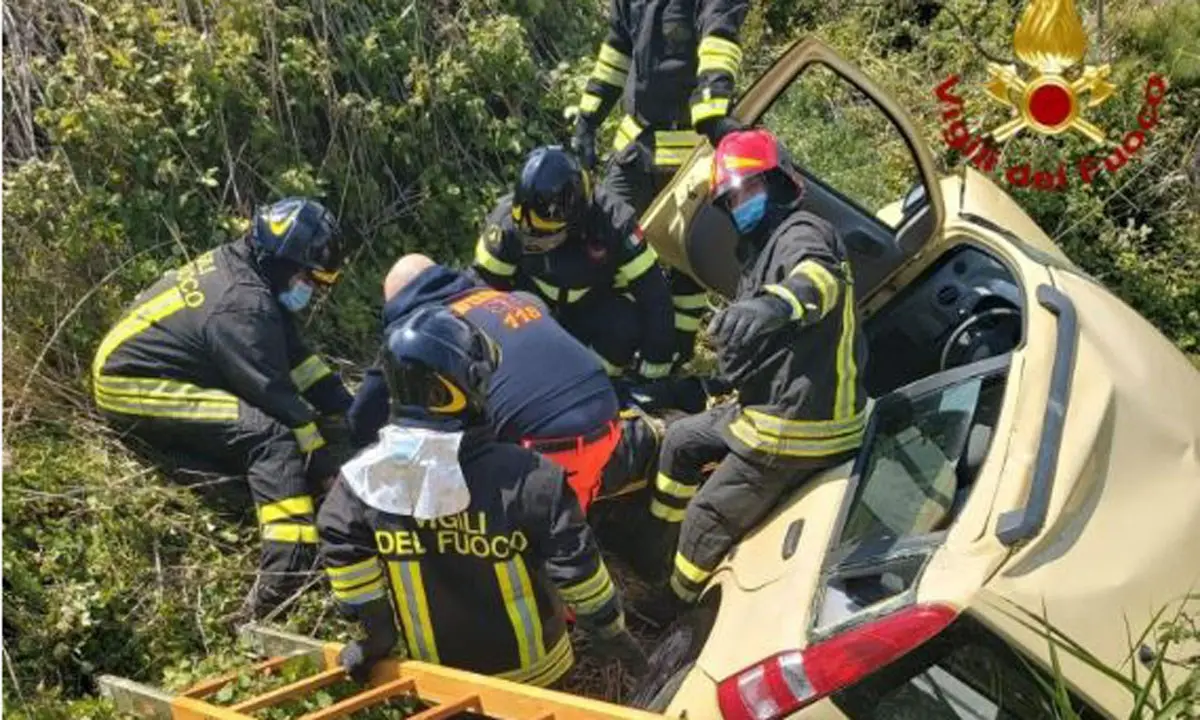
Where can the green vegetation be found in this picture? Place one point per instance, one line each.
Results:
(137, 133)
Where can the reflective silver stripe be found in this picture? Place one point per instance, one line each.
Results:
(409, 588)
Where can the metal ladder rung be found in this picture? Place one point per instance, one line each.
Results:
(354, 703)
(291, 690)
(446, 710)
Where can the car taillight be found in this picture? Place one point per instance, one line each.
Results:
(784, 683)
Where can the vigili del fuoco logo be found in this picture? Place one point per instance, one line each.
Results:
(1051, 94)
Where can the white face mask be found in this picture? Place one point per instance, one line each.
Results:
(410, 471)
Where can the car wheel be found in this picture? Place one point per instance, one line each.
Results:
(675, 655)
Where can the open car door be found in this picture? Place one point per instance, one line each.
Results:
(869, 172)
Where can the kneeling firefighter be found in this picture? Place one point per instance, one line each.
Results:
(789, 344)
(208, 368)
(473, 544)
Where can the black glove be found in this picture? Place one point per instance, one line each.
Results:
(322, 464)
(716, 128)
(622, 648)
(354, 659)
(743, 321)
(584, 142)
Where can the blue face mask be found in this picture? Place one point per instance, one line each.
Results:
(747, 215)
(296, 297)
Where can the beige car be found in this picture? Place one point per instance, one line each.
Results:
(1034, 445)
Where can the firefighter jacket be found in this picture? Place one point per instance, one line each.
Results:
(548, 385)
(207, 335)
(674, 63)
(482, 590)
(800, 389)
(612, 255)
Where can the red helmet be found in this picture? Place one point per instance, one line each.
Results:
(743, 155)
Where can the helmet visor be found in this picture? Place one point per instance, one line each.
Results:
(533, 242)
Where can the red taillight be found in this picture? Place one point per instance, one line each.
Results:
(786, 682)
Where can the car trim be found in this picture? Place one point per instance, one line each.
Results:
(1018, 525)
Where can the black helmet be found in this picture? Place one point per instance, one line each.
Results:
(437, 366)
(299, 231)
(551, 198)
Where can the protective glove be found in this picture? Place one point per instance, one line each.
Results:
(584, 142)
(716, 128)
(354, 659)
(743, 321)
(622, 647)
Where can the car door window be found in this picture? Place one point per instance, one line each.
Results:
(965, 673)
(843, 140)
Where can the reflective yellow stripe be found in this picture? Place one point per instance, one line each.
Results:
(160, 388)
(485, 259)
(552, 291)
(670, 157)
(597, 583)
(627, 132)
(310, 372)
(690, 571)
(607, 74)
(614, 57)
(290, 533)
(695, 301)
(521, 606)
(686, 323)
(665, 512)
(794, 447)
(409, 588)
(612, 628)
(676, 138)
(825, 282)
(610, 369)
(547, 670)
(716, 107)
(768, 425)
(589, 103)
(664, 484)
(168, 399)
(847, 369)
(308, 437)
(783, 292)
(286, 508)
(355, 572)
(636, 267)
(363, 594)
(142, 317)
(654, 371)
(718, 54)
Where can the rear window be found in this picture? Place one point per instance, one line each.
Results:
(967, 672)
(920, 461)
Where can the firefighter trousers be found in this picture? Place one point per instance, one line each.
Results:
(632, 176)
(208, 454)
(709, 516)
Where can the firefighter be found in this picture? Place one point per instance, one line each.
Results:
(584, 255)
(549, 394)
(790, 344)
(479, 569)
(208, 368)
(674, 64)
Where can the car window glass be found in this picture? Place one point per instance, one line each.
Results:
(965, 673)
(841, 137)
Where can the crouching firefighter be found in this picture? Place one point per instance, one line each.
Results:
(789, 344)
(583, 253)
(208, 368)
(473, 544)
(549, 393)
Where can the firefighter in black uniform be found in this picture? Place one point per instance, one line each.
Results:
(674, 64)
(479, 576)
(791, 347)
(550, 393)
(208, 368)
(584, 254)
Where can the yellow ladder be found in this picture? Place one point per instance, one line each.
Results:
(449, 691)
